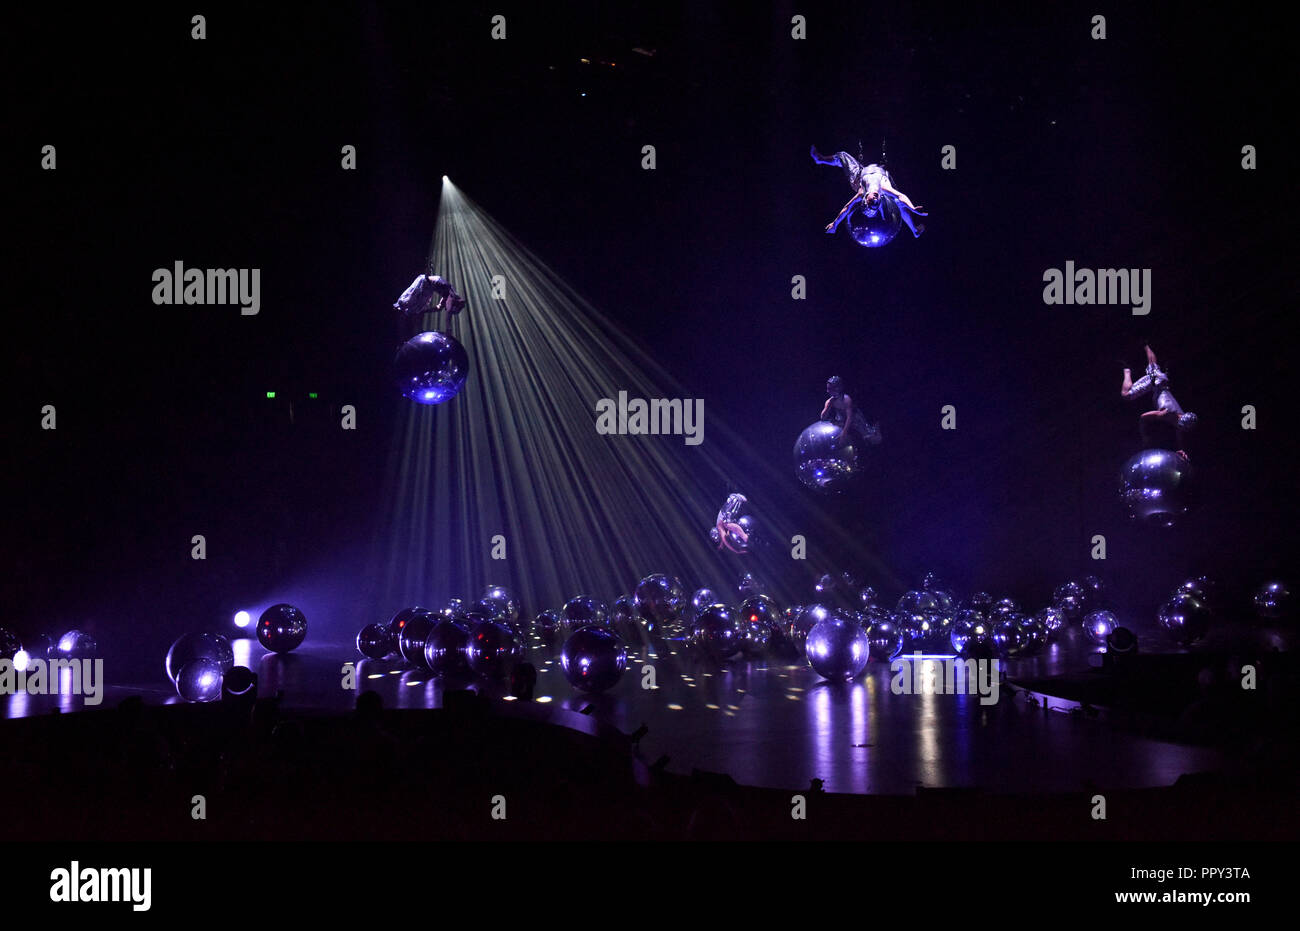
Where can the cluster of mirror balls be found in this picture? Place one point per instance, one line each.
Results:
(20, 651)
(837, 634)
(202, 665)
(486, 638)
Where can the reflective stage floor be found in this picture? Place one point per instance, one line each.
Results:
(768, 723)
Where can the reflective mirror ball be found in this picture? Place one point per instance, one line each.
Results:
(492, 649)
(659, 600)
(444, 649)
(837, 648)
(1153, 484)
(1185, 617)
(824, 457)
(1273, 601)
(431, 367)
(717, 633)
(200, 680)
(410, 643)
(547, 623)
(885, 640)
(585, 611)
(593, 659)
(509, 604)
(737, 545)
(805, 618)
(1099, 625)
(972, 635)
(76, 644)
(281, 628)
(875, 226)
(375, 641)
(189, 647)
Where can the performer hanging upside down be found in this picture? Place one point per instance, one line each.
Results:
(728, 527)
(416, 298)
(870, 183)
(839, 409)
(1167, 409)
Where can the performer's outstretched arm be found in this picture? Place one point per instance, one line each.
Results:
(835, 224)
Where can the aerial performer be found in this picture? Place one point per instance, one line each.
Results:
(731, 531)
(871, 184)
(840, 411)
(416, 298)
(431, 366)
(1167, 410)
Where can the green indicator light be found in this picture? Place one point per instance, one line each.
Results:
(311, 394)
(270, 394)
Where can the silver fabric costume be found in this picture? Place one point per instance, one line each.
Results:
(731, 510)
(1156, 382)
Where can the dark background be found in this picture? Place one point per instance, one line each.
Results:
(225, 153)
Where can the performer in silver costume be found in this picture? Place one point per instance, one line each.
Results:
(870, 182)
(1167, 408)
(839, 410)
(416, 298)
(727, 523)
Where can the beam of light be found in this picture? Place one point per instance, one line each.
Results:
(517, 454)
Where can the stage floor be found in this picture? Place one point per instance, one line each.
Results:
(770, 722)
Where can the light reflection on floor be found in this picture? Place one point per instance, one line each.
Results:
(770, 722)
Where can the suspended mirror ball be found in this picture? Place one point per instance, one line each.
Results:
(492, 650)
(824, 457)
(593, 659)
(874, 226)
(1153, 484)
(1273, 601)
(737, 545)
(200, 680)
(837, 648)
(189, 647)
(431, 367)
(281, 628)
(374, 641)
(444, 649)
